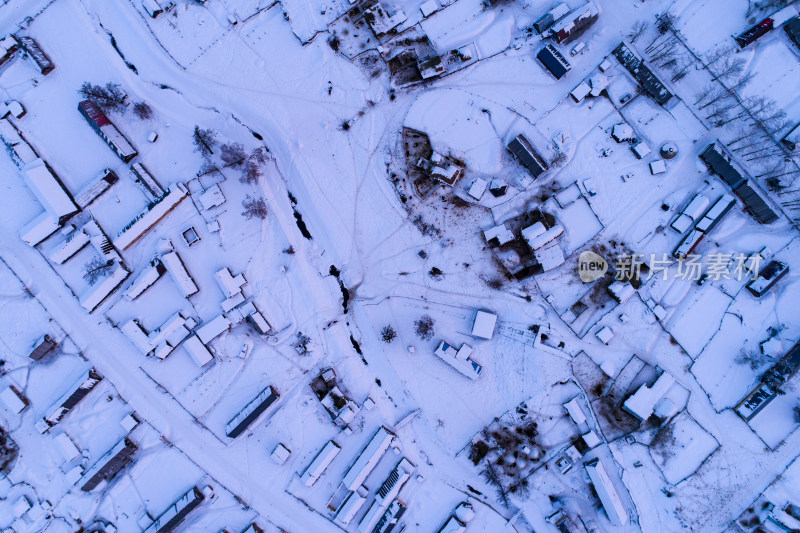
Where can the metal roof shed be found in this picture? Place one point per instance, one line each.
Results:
(483, 325)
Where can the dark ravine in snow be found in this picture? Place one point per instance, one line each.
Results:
(301, 225)
(345, 292)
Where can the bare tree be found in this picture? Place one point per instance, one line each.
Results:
(559, 159)
(716, 55)
(254, 208)
(204, 140)
(233, 154)
(664, 51)
(666, 22)
(110, 97)
(637, 30)
(388, 334)
(142, 110)
(720, 113)
(95, 269)
(728, 67)
(424, 327)
(251, 172)
(706, 92)
(682, 68)
(717, 95)
(252, 167)
(769, 117)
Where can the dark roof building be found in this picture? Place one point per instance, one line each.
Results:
(770, 385)
(642, 74)
(37, 54)
(755, 203)
(553, 61)
(68, 401)
(251, 412)
(768, 277)
(793, 30)
(176, 513)
(721, 163)
(754, 33)
(43, 346)
(527, 156)
(109, 465)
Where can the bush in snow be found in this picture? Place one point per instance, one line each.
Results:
(95, 269)
(8, 451)
(302, 342)
(254, 208)
(424, 327)
(204, 140)
(388, 334)
(436, 273)
(142, 110)
(110, 97)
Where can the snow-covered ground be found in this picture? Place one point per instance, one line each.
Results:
(354, 272)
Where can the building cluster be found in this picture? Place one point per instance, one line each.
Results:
(87, 469)
(527, 244)
(349, 504)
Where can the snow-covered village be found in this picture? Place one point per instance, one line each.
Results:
(376, 266)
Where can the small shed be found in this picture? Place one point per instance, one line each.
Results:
(641, 149)
(483, 325)
(428, 8)
(42, 347)
(499, 232)
(280, 454)
(581, 91)
(605, 334)
(658, 167)
(622, 132)
(13, 399)
(477, 189)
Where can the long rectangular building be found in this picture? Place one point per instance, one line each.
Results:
(147, 219)
(721, 163)
(102, 290)
(177, 512)
(175, 267)
(109, 465)
(37, 54)
(251, 412)
(79, 391)
(92, 192)
(642, 74)
(325, 456)
(107, 130)
(369, 457)
(612, 503)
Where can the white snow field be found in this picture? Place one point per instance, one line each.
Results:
(222, 293)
